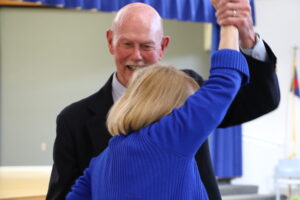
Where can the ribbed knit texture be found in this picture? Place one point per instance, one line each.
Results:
(225, 58)
(157, 162)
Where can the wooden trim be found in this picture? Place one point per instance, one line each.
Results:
(24, 182)
(43, 197)
(19, 3)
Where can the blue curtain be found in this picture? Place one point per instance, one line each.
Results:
(226, 151)
(183, 10)
(226, 144)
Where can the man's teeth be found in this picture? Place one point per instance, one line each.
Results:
(132, 67)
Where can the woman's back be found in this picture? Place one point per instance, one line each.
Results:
(151, 172)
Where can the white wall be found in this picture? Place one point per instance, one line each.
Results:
(264, 139)
(53, 57)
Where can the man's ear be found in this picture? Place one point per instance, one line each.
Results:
(109, 38)
(164, 44)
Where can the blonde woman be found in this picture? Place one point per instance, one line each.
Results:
(158, 125)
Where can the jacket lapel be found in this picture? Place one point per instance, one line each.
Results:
(96, 125)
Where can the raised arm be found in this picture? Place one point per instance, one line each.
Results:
(184, 130)
(262, 94)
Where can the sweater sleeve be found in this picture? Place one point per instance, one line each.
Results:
(185, 128)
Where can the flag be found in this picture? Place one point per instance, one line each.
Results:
(295, 83)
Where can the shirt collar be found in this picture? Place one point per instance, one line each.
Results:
(117, 88)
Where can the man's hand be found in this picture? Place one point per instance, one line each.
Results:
(237, 13)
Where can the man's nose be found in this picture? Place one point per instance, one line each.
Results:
(136, 53)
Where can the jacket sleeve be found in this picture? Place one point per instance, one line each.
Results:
(260, 96)
(206, 171)
(81, 190)
(64, 170)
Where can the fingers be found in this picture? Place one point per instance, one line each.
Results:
(226, 10)
(222, 3)
(237, 13)
(233, 11)
(234, 17)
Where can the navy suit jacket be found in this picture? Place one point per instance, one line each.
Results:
(82, 133)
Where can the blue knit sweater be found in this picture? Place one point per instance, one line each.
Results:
(157, 162)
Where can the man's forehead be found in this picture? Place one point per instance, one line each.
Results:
(135, 39)
(137, 36)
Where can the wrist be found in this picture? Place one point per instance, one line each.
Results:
(249, 42)
(229, 38)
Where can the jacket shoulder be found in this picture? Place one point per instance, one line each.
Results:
(78, 107)
(90, 103)
(197, 77)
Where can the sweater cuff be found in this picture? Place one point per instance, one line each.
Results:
(231, 59)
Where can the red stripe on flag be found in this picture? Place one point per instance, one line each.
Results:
(295, 84)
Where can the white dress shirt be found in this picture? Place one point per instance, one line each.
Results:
(258, 52)
(117, 88)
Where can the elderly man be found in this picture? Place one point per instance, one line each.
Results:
(136, 39)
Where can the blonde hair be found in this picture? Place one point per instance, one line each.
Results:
(152, 93)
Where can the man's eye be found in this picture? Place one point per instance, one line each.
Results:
(126, 44)
(147, 47)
